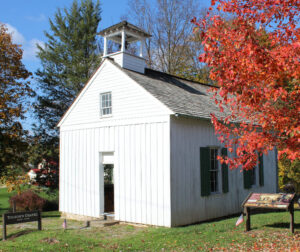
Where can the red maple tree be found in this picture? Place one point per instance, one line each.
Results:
(255, 60)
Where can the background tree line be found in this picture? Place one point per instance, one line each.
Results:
(173, 47)
(14, 88)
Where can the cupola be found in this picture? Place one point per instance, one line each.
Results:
(125, 34)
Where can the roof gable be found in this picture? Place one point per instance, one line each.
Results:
(136, 101)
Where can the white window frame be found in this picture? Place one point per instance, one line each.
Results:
(218, 170)
(106, 107)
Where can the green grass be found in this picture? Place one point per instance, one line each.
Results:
(269, 232)
(4, 205)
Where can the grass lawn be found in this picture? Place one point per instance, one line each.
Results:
(4, 205)
(270, 233)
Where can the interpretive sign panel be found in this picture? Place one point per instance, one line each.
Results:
(21, 217)
(268, 200)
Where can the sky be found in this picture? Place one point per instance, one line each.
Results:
(28, 19)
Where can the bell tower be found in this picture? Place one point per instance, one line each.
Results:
(125, 34)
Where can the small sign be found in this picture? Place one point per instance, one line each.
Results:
(269, 200)
(21, 217)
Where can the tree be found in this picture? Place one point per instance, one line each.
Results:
(68, 59)
(48, 174)
(172, 48)
(14, 90)
(254, 59)
(289, 174)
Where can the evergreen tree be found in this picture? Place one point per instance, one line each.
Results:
(68, 59)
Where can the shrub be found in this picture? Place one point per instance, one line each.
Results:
(28, 201)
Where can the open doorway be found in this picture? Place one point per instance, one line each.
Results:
(108, 188)
(107, 182)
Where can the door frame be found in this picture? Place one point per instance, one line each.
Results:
(103, 161)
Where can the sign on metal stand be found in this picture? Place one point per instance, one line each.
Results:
(21, 217)
(270, 201)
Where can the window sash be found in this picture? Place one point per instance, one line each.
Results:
(214, 170)
(105, 104)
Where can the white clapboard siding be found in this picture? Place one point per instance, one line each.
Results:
(129, 99)
(129, 61)
(187, 205)
(118, 58)
(134, 63)
(141, 171)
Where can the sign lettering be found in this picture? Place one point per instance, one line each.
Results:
(269, 200)
(21, 217)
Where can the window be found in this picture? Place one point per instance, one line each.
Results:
(255, 176)
(105, 104)
(210, 173)
(214, 170)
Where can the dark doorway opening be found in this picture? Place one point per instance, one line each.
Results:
(108, 188)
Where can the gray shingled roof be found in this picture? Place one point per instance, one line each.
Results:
(183, 97)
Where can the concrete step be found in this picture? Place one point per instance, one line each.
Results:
(108, 216)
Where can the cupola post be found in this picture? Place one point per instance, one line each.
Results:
(123, 41)
(104, 47)
(142, 44)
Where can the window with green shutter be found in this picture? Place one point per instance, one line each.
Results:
(204, 170)
(225, 188)
(210, 171)
(250, 176)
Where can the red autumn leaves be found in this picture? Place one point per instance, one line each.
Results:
(254, 59)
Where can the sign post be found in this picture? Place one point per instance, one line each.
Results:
(271, 201)
(248, 223)
(21, 217)
(291, 209)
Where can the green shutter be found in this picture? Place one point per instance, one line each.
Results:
(204, 171)
(247, 178)
(261, 170)
(224, 172)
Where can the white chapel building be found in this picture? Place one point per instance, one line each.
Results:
(139, 144)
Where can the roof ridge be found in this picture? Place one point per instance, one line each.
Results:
(181, 78)
(171, 75)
